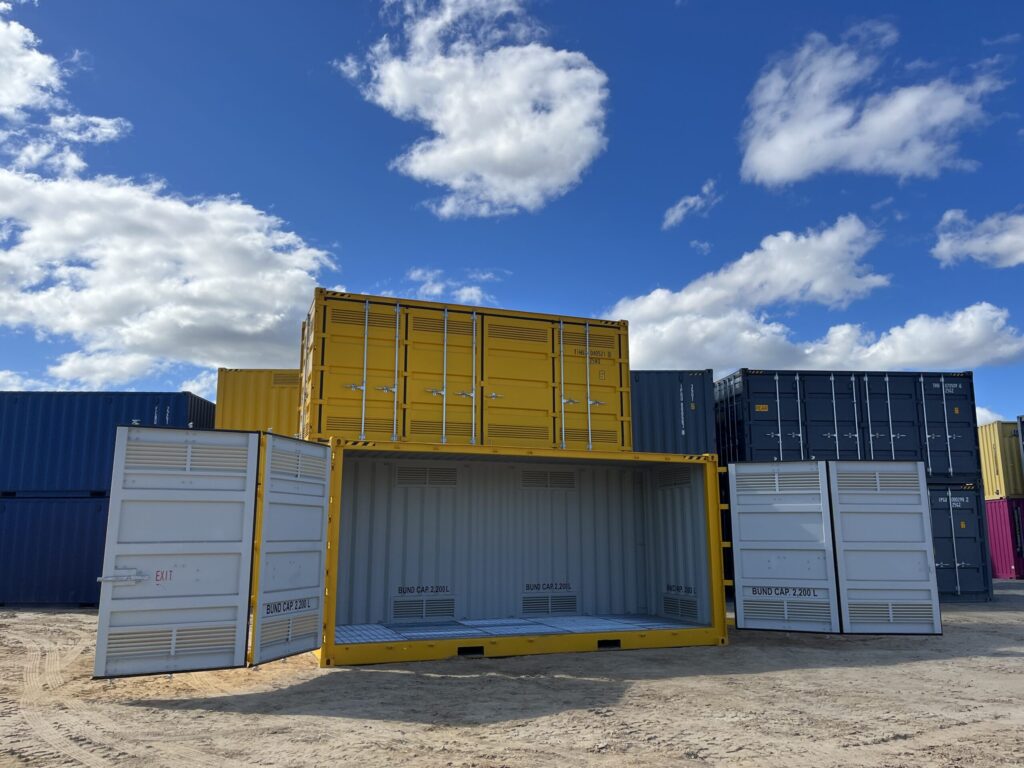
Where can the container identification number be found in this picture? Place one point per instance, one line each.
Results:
(425, 589)
(784, 591)
(548, 586)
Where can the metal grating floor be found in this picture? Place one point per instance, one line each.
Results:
(351, 634)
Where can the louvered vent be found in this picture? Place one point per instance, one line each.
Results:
(284, 379)
(598, 435)
(597, 341)
(794, 482)
(891, 613)
(357, 316)
(219, 458)
(456, 327)
(673, 476)
(289, 629)
(140, 642)
(156, 456)
(761, 482)
(764, 610)
(352, 424)
(879, 482)
(518, 432)
(519, 333)
(176, 641)
(204, 640)
(545, 605)
(429, 608)
(809, 610)
(297, 464)
(454, 428)
(685, 608)
(426, 476)
(542, 478)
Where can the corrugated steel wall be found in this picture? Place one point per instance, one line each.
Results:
(51, 550)
(1001, 459)
(489, 534)
(1006, 537)
(62, 443)
(673, 411)
(258, 400)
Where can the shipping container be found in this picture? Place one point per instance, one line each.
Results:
(673, 411)
(1001, 469)
(62, 443)
(1005, 519)
(258, 400)
(376, 368)
(876, 416)
(220, 552)
(51, 550)
(960, 539)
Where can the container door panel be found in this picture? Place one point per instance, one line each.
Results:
(775, 427)
(830, 415)
(291, 543)
(175, 587)
(597, 381)
(884, 559)
(961, 554)
(517, 389)
(949, 427)
(360, 402)
(441, 369)
(782, 544)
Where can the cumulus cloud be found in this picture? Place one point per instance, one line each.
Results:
(721, 319)
(821, 108)
(514, 123)
(997, 241)
(139, 278)
(15, 381)
(203, 384)
(434, 286)
(987, 416)
(702, 202)
(431, 284)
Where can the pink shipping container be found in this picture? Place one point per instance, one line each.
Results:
(1006, 537)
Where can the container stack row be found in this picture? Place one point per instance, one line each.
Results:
(1001, 466)
(56, 455)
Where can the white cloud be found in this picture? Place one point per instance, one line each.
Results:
(720, 320)
(701, 246)
(11, 381)
(702, 202)
(31, 79)
(88, 128)
(822, 109)
(1009, 39)
(997, 241)
(987, 416)
(349, 67)
(472, 294)
(203, 384)
(431, 284)
(434, 286)
(514, 123)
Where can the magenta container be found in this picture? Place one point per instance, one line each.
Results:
(1006, 537)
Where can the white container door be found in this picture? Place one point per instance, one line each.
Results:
(884, 555)
(291, 546)
(176, 569)
(782, 547)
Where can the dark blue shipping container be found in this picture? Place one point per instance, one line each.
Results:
(959, 536)
(62, 443)
(51, 550)
(822, 415)
(673, 411)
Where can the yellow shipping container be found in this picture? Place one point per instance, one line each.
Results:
(258, 399)
(376, 368)
(1001, 470)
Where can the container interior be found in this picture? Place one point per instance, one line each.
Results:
(457, 546)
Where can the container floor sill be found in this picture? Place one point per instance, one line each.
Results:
(351, 634)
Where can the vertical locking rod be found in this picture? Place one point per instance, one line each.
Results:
(590, 433)
(927, 434)
(394, 386)
(945, 416)
(366, 344)
(561, 363)
(444, 383)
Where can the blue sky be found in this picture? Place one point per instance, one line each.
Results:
(175, 177)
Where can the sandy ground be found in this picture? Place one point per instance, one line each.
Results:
(766, 699)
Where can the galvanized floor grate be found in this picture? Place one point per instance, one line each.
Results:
(351, 634)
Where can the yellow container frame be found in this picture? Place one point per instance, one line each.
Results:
(335, 654)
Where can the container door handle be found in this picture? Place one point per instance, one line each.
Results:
(436, 392)
(131, 576)
(464, 394)
(494, 396)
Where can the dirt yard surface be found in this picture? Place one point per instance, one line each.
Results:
(766, 699)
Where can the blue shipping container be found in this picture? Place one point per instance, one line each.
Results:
(673, 411)
(51, 550)
(62, 443)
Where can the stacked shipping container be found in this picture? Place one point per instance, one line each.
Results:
(673, 411)
(56, 454)
(258, 400)
(1001, 467)
(842, 415)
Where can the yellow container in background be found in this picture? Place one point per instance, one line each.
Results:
(258, 399)
(378, 368)
(1001, 470)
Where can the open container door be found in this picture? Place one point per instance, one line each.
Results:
(291, 539)
(174, 592)
(782, 544)
(883, 545)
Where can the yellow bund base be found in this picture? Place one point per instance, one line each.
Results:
(525, 645)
